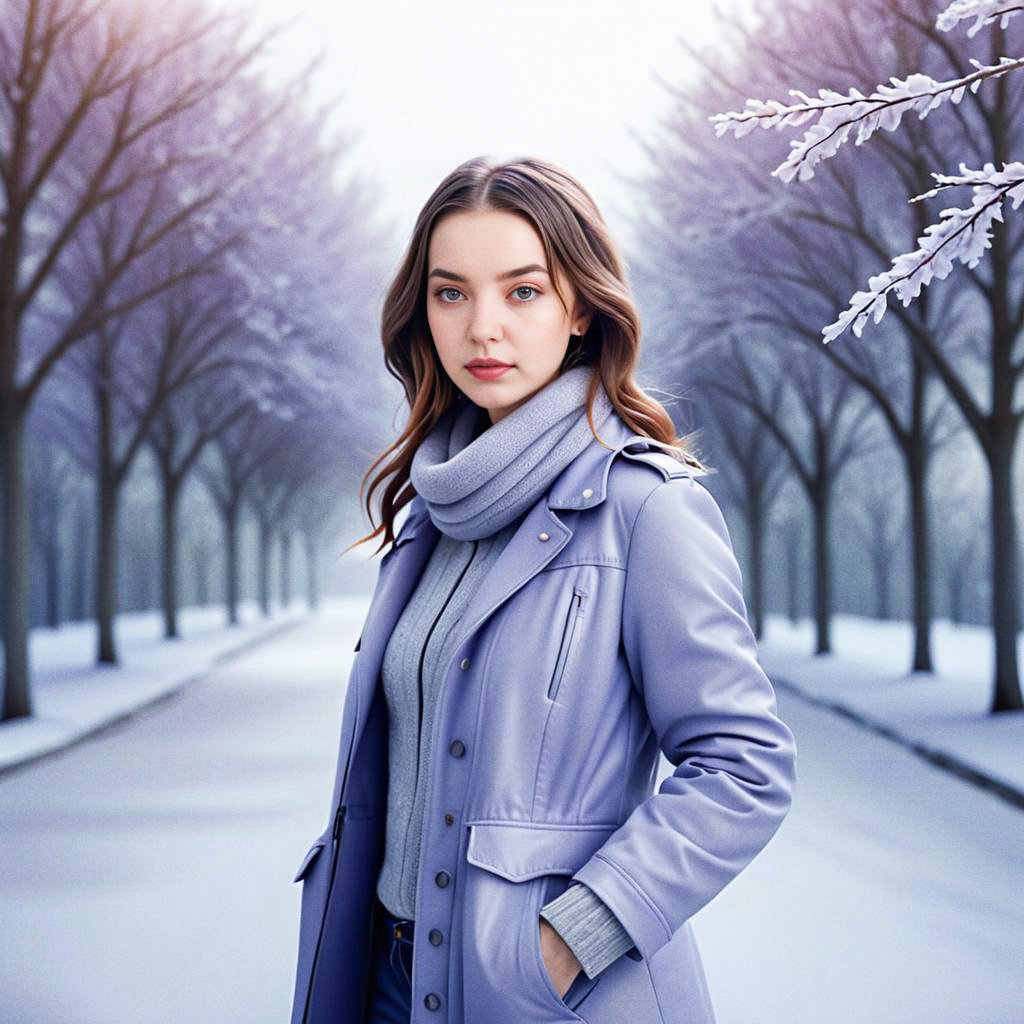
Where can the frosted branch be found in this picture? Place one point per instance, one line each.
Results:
(985, 11)
(840, 115)
(960, 235)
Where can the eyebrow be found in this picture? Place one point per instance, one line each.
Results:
(452, 276)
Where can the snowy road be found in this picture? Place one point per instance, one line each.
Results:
(145, 875)
(891, 894)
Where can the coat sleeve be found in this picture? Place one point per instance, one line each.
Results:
(693, 657)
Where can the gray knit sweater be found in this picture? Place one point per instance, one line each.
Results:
(419, 650)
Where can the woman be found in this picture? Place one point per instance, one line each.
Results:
(561, 603)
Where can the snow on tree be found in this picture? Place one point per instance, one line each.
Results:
(962, 234)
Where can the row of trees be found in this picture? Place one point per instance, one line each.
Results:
(181, 271)
(754, 266)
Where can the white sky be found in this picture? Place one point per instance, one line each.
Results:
(427, 86)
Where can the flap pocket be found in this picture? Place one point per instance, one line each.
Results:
(519, 850)
(311, 855)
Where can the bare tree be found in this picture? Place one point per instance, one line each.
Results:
(779, 256)
(792, 531)
(226, 473)
(88, 93)
(52, 489)
(182, 430)
(880, 523)
(758, 468)
(816, 418)
(961, 235)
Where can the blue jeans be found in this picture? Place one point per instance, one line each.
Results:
(391, 970)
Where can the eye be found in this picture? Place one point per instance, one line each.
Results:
(442, 292)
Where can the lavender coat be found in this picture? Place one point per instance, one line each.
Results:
(610, 628)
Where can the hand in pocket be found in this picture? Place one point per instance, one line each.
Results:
(559, 959)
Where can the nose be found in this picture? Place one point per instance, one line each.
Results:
(485, 324)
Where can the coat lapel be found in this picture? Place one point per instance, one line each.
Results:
(540, 536)
(400, 571)
(580, 486)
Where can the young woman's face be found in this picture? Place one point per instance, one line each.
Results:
(490, 297)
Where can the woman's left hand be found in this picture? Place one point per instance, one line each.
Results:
(559, 959)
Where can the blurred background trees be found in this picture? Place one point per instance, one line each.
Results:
(744, 271)
(190, 275)
(187, 272)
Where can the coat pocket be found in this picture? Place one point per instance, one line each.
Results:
(521, 850)
(511, 864)
(547, 889)
(569, 632)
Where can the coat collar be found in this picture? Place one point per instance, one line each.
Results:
(582, 484)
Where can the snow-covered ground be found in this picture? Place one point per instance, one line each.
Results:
(891, 894)
(945, 711)
(145, 873)
(72, 696)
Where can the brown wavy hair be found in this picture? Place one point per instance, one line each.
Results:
(576, 240)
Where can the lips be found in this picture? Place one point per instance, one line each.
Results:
(487, 371)
(486, 363)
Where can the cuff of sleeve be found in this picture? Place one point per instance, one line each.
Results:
(588, 927)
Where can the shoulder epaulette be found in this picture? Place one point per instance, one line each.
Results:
(669, 466)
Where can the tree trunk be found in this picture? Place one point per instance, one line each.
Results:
(957, 583)
(793, 588)
(201, 562)
(266, 539)
(1003, 424)
(14, 556)
(1007, 694)
(80, 598)
(231, 513)
(312, 575)
(106, 566)
(882, 571)
(171, 492)
(107, 495)
(17, 699)
(916, 454)
(286, 568)
(52, 548)
(820, 502)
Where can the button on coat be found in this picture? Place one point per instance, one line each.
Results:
(611, 629)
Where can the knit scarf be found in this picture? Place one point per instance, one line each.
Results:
(475, 483)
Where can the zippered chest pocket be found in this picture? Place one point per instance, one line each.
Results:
(570, 632)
